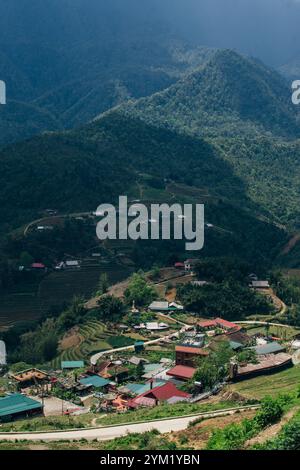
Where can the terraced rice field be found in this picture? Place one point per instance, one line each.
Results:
(95, 338)
(56, 289)
(18, 307)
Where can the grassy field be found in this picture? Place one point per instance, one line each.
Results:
(277, 331)
(165, 411)
(282, 382)
(49, 423)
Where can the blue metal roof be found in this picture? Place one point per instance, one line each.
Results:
(17, 403)
(138, 389)
(151, 367)
(94, 380)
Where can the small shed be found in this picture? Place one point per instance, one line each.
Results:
(2, 353)
(139, 346)
(72, 365)
(269, 348)
(159, 306)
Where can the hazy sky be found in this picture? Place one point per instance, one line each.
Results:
(265, 28)
(268, 29)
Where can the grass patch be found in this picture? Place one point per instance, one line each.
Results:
(258, 387)
(165, 411)
(49, 424)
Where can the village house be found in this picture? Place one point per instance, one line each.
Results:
(18, 406)
(159, 306)
(258, 285)
(218, 323)
(267, 364)
(72, 264)
(167, 393)
(112, 371)
(189, 355)
(71, 365)
(189, 264)
(96, 382)
(163, 306)
(269, 348)
(199, 283)
(38, 267)
(30, 377)
(179, 265)
(183, 373)
(152, 326)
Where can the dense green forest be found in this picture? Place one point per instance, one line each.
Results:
(244, 110)
(66, 63)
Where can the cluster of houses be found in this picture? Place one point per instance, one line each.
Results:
(123, 383)
(42, 268)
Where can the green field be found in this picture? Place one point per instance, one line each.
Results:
(277, 331)
(165, 411)
(282, 382)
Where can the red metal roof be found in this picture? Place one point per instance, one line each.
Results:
(38, 265)
(227, 324)
(219, 322)
(207, 323)
(191, 350)
(160, 393)
(182, 372)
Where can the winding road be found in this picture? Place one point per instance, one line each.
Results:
(112, 432)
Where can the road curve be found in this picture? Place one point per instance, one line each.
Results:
(265, 323)
(94, 359)
(112, 432)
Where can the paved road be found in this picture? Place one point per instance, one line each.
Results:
(95, 358)
(112, 432)
(265, 323)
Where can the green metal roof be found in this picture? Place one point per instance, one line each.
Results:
(235, 345)
(72, 364)
(94, 380)
(269, 348)
(138, 389)
(17, 403)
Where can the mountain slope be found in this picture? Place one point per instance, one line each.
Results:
(76, 171)
(244, 109)
(76, 61)
(229, 94)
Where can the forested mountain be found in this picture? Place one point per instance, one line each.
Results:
(77, 170)
(245, 111)
(65, 62)
(228, 127)
(230, 93)
(71, 60)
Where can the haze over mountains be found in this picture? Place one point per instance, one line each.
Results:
(162, 111)
(66, 62)
(232, 140)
